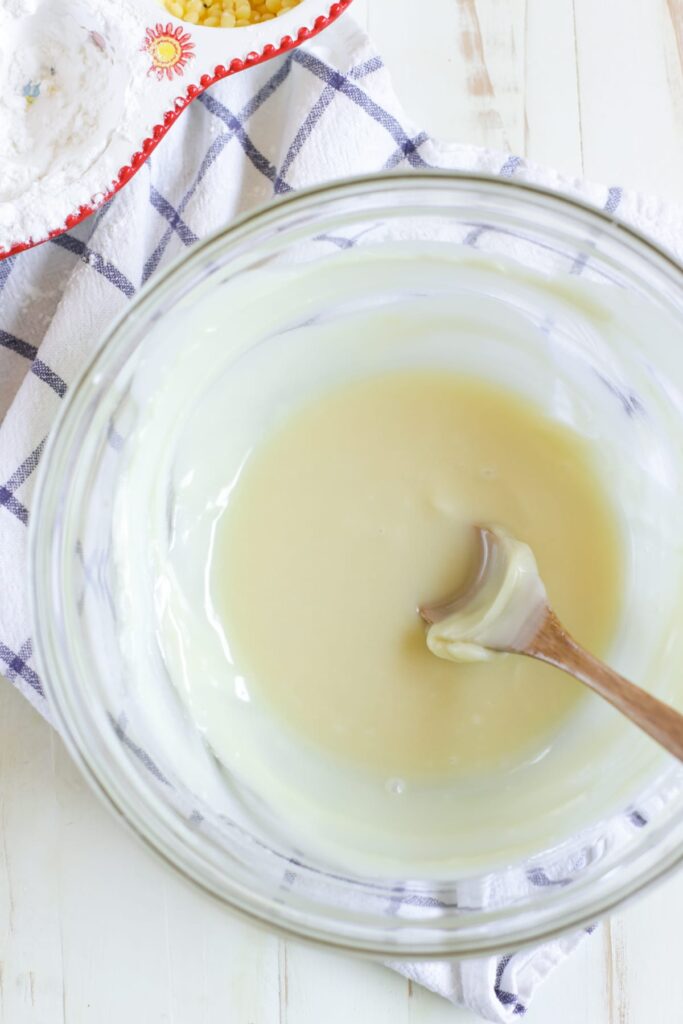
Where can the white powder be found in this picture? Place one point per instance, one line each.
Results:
(18, 8)
(71, 107)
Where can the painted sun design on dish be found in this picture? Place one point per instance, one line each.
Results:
(170, 49)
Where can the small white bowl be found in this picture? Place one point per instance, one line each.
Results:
(166, 62)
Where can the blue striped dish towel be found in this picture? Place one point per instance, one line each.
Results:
(322, 112)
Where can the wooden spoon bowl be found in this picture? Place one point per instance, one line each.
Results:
(525, 624)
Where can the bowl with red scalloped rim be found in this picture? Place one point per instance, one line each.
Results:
(88, 88)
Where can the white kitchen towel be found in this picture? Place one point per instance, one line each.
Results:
(322, 112)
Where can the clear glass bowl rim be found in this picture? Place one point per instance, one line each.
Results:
(503, 930)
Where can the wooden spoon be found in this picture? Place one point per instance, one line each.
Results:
(505, 610)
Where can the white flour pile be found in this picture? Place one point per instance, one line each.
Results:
(71, 107)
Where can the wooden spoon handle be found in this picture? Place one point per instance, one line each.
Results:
(554, 645)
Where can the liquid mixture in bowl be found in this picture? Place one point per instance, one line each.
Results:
(308, 472)
(359, 509)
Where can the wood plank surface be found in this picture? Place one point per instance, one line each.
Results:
(92, 929)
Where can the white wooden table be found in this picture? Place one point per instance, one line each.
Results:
(92, 929)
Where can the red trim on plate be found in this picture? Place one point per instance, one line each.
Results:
(182, 102)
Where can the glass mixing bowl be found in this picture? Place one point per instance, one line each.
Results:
(132, 739)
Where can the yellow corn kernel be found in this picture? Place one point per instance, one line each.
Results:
(228, 13)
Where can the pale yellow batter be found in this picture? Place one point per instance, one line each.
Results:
(359, 508)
